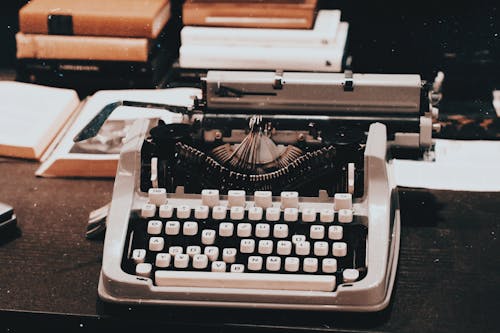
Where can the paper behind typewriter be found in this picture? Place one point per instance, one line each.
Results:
(98, 157)
(459, 166)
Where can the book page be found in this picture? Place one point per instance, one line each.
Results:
(98, 156)
(31, 116)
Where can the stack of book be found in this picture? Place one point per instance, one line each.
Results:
(95, 43)
(258, 35)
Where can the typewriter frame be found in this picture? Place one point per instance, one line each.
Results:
(372, 293)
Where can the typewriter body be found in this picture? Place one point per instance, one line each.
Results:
(273, 191)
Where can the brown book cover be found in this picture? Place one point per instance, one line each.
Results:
(36, 46)
(291, 14)
(123, 18)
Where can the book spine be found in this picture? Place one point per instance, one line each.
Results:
(99, 25)
(81, 47)
(262, 16)
(323, 34)
(262, 58)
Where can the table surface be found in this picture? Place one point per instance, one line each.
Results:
(448, 278)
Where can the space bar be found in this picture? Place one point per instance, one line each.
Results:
(245, 280)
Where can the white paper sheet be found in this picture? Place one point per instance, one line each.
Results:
(459, 166)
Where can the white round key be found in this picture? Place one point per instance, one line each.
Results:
(181, 260)
(219, 212)
(343, 201)
(236, 198)
(166, 211)
(317, 232)
(138, 255)
(190, 228)
(289, 199)
(210, 197)
(345, 216)
(183, 212)
(154, 227)
(212, 252)
(310, 265)
(339, 249)
(335, 232)
(329, 265)
(247, 245)
(263, 199)
(218, 266)
(326, 215)
(262, 230)
(350, 275)
(320, 249)
(157, 196)
(156, 244)
(291, 214)
(207, 237)
(254, 263)
(229, 255)
(273, 264)
(280, 231)
(292, 264)
(226, 229)
(244, 230)
(237, 213)
(273, 214)
(162, 260)
(303, 248)
(143, 269)
(309, 215)
(200, 261)
(172, 228)
(284, 248)
(298, 238)
(175, 250)
(265, 246)
(255, 213)
(201, 212)
(237, 268)
(148, 210)
(193, 250)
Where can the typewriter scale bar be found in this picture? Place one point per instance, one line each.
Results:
(306, 246)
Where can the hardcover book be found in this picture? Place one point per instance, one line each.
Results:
(36, 46)
(322, 34)
(298, 58)
(251, 14)
(88, 77)
(125, 18)
(98, 156)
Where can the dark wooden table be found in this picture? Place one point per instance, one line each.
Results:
(448, 279)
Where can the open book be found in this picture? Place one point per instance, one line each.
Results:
(98, 156)
(31, 116)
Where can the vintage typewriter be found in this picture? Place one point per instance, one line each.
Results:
(273, 191)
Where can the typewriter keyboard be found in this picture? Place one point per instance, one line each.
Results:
(257, 244)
